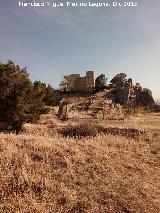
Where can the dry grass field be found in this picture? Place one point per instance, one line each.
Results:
(43, 172)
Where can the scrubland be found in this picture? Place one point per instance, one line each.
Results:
(43, 172)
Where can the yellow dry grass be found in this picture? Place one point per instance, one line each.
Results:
(42, 172)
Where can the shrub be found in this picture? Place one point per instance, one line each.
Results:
(84, 130)
(100, 83)
(81, 130)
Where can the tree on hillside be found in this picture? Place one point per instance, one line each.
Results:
(40, 86)
(100, 82)
(20, 101)
(49, 93)
(63, 86)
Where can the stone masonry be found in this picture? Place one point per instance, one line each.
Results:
(76, 83)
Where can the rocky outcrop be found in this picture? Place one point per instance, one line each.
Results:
(122, 89)
(124, 92)
(144, 98)
(100, 106)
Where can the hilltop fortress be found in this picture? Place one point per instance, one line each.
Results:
(76, 83)
(120, 90)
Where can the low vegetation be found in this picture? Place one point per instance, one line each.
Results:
(90, 130)
(80, 130)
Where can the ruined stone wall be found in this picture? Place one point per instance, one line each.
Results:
(89, 80)
(72, 79)
(81, 84)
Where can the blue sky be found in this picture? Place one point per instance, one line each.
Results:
(52, 42)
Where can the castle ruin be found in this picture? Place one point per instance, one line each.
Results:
(76, 83)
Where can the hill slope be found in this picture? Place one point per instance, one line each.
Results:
(43, 172)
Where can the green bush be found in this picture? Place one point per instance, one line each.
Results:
(20, 100)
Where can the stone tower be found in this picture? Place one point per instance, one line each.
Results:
(90, 80)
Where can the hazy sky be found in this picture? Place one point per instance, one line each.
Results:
(52, 42)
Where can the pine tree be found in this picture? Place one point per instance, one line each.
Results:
(19, 100)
